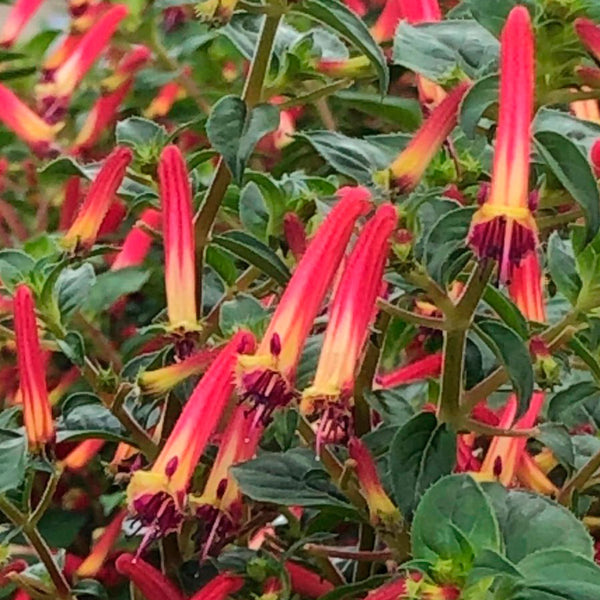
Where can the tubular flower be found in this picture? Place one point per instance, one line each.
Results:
(589, 34)
(166, 97)
(157, 496)
(424, 368)
(82, 454)
(305, 582)
(589, 76)
(85, 228)
(70, 203)
(220, 588)
(116, 88)
(504, 228)
(180, 247)
(220, 501)
(123, 453)
(394, 590)
(588, 110)
(266, 379)
(160, 381)
(59, 55)
(530, 475)
(149, 580)
(352, 310)
(54, 94)
(505, 453)
(295, 234)
(525, 288)
(26, 124)
(138, 241)
(381, 509)
(346, 67)
(385, 27)
(595, 158)
(409, 167)
(20, 14)
(37, 414)
(93, 563)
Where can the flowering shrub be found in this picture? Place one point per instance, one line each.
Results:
(299, 300)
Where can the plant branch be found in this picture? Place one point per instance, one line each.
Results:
(409, 316)
(579, 479)
(334, 552)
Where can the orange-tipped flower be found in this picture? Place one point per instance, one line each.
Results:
(430, 366)
(381, 509)
(82, 454)
(305, 582)
(149, 580)
(26, 124)
(344, 67)
(93, 563)
(420, 11)
(587, 110)
(525, 288)
(385, 26)
(266, 378)
(85, 228)
(20, 14)
(505, 453)
(220, 588)
(59, 55)
(37, 414)
(138, 241)
(116, 88)
(160, 381)
(504, 227)
(157, 496)
(352, 310)
(180, 247)
(589, 34)
(531, 475)
(408, 169)
(394, 590)
(70, 203)
(55, 94)
(166, 97)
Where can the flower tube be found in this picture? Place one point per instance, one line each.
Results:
(266, 379)
(410, 165)
(85, 228)
(20, 14)
(166, 97)
(589, 34)
(504, 228)
(428, 367)
(352, 310)
(82, 454)
(138, 241)
(149, 580)
(37, 414)
(157, 496)
(305, 582)
(385, 26)
(26, 124)
(525, 288)
(220, 588)
(180, 247)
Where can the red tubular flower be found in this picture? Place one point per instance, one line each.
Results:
(63, 385)
(149, 580)
(82, 454)
(37, 414)
(295, 234)
(70, 204)
(424, 368)
(138, 241)
(346, 67)
(157, 496)
(55, 94)
(589, 34)
(525, 288)
(266, 378)
(20, 14)
(166, 97)
(93, 563)
(85, 228)
(385, 26)
(504, 228)
(180, 247)
(409, 167)
(26, 124)
(305, 582)
(59, 55)
(352, 310)
(357, 6)
(14, 566)
(381, 508)
(220, 588)
(394, 590)
(595, 158)
(589, 76)
(116, 88)
(420, 11)
(531, 476)
(160, 381)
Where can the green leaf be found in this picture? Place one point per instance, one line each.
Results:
(254, 252)
(553, 574)
(577, 405)
(561, 264)
(453, 510)
(15, 266)
(491, 564)
(292, 478)
(492, 13)
(513, 354)
(59, 527)
(141, 134)
(73, 347)
(243, 311)
(234, 131)
(89, 588)
(556, 437)
(478, 99)
(351, 590)
(421, 452)
(72, 288)
(13, 459)
(530, 522)
(573, 170)
(581, 132)
(341, 19)
(580, 349)
(391, 405)
(506, 310)
(588, 268)
(254, 214)
(110, 286)
(442, 50)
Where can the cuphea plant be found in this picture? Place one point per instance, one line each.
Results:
(299, 300)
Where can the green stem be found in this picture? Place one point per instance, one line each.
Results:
(567, 96)
(558, 219)
(578, 481)
(452, 376)
(409, 316)
(38, 543)
(46, 498)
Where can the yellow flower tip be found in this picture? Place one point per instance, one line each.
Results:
(146, 483)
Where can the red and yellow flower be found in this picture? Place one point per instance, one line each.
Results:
(20, 14)
(166, 97)
(149, 580)
(138, 241)
(424, 368)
